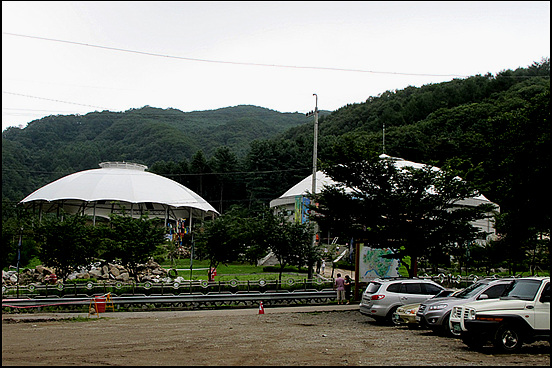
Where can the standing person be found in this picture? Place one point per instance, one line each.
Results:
(339, 284)
(347, 285)
(323, 266)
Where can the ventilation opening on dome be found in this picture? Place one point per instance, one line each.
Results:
(123, 165)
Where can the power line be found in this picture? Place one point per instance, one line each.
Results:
(50, 99)
(232, 62)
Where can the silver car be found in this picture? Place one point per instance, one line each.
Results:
(382, 297)
(435, 314)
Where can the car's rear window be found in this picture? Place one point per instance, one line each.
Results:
(373, 287)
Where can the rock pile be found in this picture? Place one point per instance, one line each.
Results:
(150, 271)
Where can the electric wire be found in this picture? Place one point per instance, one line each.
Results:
(231, 62)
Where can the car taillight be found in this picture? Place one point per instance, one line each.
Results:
(377, 297)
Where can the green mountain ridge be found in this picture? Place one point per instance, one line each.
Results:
(58, 145)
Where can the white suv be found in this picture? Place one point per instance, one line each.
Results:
(522, 314)
(382, 297)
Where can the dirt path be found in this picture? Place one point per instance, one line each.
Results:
(317, 335)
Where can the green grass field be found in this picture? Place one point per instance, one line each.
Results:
(237, 271)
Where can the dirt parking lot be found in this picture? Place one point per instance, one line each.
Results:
(322, 335)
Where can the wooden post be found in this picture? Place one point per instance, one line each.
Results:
(357, 280)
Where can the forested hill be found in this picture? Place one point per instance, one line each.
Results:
(51, 147)
(489, 128)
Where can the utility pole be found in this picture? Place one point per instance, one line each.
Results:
(315, 147)
(314, 169)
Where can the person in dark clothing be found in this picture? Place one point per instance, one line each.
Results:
(347, 286)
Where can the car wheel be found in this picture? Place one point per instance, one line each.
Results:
(389, 317)
(508, 338)
(446, 328)
(396, 320)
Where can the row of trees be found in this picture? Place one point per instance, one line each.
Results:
(414, 212)
(243, 235)
(70, 242)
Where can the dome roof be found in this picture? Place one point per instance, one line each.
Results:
(305, 186)
(96, 191)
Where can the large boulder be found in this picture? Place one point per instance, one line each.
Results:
(95, 273)
(123, 277)
(83, 275)
(114, 270)
(42, 270)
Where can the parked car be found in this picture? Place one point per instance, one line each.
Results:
(382, 297)
(435, 314)
(406, 314)
(521, 315)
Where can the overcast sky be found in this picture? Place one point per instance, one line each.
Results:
(77, 57)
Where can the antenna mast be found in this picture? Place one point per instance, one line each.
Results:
(384, 137)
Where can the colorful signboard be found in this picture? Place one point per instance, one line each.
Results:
(372, 265)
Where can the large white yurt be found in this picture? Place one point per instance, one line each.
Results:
(294, 201)
(118, 187)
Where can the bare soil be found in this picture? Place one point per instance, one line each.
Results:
(321, 335)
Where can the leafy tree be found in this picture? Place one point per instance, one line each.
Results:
(411, 211)
(199, 166)
(290, 242)
(66, 243)
(250, 233)
(224, 161)
(17, 223)
(219, 241)
(131, 240)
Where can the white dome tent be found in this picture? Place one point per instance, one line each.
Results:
(117, 186)
(294, 199)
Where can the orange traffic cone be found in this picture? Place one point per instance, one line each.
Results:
(261, 309)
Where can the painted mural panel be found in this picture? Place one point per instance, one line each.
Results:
(371, 264)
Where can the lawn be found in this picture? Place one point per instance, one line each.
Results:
(238, 271)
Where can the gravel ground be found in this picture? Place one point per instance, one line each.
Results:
(313, 335)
